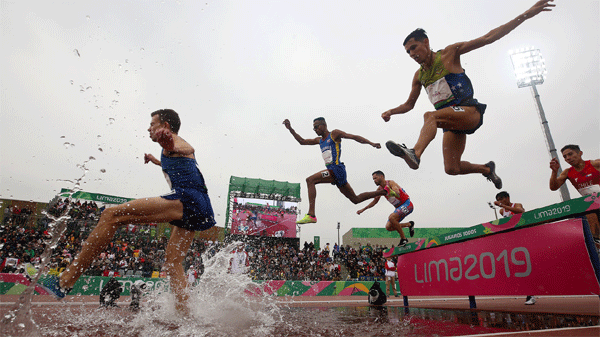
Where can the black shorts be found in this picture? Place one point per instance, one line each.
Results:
(480, 107)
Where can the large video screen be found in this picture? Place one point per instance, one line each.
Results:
(263, 218)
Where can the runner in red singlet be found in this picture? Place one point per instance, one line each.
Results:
(585, 177)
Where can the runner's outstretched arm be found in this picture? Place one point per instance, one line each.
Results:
(300, 140)
(338, 134)
(371, 204)
(496, 34)
(415, 91)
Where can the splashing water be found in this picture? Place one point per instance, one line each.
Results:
(220, 304)
(18, 321)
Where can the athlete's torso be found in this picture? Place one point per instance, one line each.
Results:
(587, 180)
(506, 213)
(396, 201)
(331, 150)
(182, 172)
(443, 87)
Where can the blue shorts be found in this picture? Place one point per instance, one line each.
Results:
(480, 108)
(339, 174)
(198, 214)
(405, 209)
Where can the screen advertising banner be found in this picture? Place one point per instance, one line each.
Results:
(263, 218)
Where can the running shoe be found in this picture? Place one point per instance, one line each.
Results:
(390, 192)
(530, 300)
(492, 176)
(403, 242)
(52, 285)
(307, 219)
(411, 228)
(405, 153)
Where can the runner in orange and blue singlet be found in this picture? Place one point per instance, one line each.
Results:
(335, 172)
(401, 202)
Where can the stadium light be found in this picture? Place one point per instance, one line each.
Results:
(530, 70)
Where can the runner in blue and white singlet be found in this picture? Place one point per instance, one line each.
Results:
(335, 172)
(331, 152)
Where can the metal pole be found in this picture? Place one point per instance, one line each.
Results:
(564, 192)
(338, 228)
(494, 208)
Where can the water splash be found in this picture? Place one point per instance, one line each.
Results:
(220, 304)
(18, 321)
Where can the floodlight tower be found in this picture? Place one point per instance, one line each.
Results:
(530, 69)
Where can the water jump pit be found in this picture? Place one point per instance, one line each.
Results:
(316, 316)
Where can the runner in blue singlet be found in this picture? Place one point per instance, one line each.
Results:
(187, 207)
(335, 172)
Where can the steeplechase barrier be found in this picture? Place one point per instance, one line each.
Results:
(546, 251)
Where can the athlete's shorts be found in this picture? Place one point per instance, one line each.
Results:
(480, 107)
(339, 174)
(405, 209)
(198, 214)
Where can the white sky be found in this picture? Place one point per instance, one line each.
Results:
(89, 73)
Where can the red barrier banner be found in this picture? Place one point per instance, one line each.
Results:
(548, 259)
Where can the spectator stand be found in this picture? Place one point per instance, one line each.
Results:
(546, 251)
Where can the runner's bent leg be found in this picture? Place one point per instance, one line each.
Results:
(453, 147)
(447, 118)
(349, 193)
(177, 249)
(428, 132)
(136, 211)
(394, 224)
(324, 176)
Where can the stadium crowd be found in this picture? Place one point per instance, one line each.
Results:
(134, 251)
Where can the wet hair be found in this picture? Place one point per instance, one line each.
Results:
(418, 34)
(379, 173)
(169, 116)
(502, 194)
(571, 147)
(320, 119)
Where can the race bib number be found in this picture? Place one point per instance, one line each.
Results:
(327, 156)
(439, 91)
